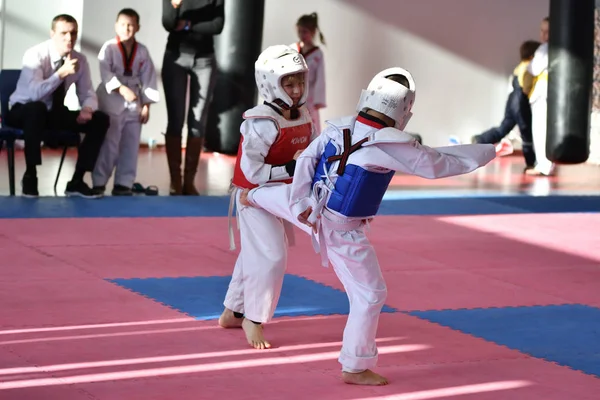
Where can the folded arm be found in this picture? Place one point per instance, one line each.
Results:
(213, 23)
(170, 15)
(258, 137)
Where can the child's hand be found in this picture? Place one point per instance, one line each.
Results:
(303, 217)
(298, 154)
(127, 93)
(244, 198)
(176, 3)
(145, 114)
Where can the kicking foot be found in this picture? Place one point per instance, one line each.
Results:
(367, 377)
(254, 334)
(228, 320)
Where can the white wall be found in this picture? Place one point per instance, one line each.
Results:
(459, 51)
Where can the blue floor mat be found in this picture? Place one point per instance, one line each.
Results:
(445, 206)
(109, 207)
(568, 335)
(202, 297)
(213, 206)
(550, 204)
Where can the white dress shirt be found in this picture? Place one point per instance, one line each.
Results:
(39, 78)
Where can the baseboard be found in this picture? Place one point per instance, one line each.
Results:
(144, 145)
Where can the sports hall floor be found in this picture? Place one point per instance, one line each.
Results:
(493, 277)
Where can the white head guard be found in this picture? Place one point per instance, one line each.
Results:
(272, 65)
(389, 97)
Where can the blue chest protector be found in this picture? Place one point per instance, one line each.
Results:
(357, 192)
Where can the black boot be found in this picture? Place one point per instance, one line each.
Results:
(173, 147)
(192, 158)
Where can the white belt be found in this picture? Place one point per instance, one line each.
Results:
(233, 190)
(334, 223)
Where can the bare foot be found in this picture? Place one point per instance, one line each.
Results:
(228, 320)
(367, 377)
(254, 334)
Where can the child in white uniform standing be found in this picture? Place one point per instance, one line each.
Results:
(127, 89)
(339, 183)
(307, 27)
(272, 135)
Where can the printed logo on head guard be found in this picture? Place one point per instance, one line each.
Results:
(297, 60)
(389, 103)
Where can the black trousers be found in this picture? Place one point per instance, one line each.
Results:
(517, 112)
(37, 122)
(176, 70)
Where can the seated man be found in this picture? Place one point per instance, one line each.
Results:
(37, 105)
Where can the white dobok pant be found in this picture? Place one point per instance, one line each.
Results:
(259, 270)
(120, 149)
(355, 263)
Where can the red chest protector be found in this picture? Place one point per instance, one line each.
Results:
(293, 136)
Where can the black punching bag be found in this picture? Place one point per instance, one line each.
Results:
(236, 50)
(570, 73)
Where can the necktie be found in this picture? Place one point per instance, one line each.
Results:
(58, 96)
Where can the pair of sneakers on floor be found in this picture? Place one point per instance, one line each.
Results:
(75, 188)
(78, 188)
(120, 190)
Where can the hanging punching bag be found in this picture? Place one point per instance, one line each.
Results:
(236, 50)
(570, 71)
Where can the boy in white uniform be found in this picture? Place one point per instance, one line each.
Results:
(339, 183)
(272, 135)
(128, 88)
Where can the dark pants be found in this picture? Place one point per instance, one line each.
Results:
(517, 112)
(176, 70)
(37, 121)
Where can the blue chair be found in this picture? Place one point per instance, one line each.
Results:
(8, 135)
